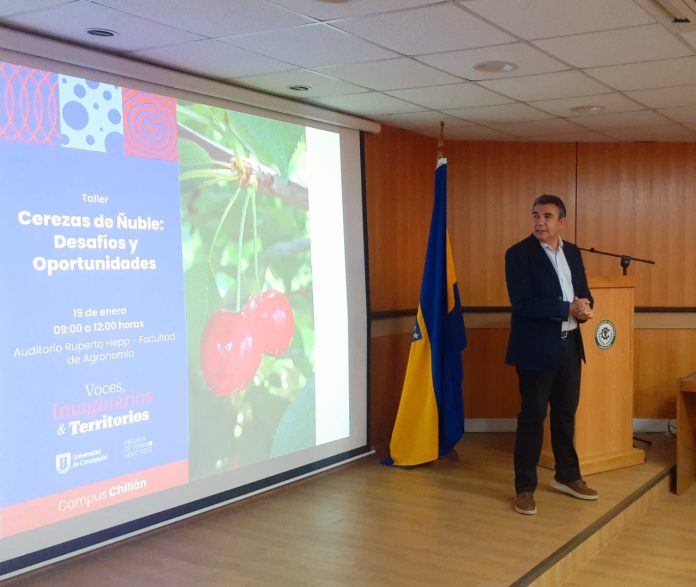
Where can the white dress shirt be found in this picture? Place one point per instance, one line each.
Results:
(560, 264)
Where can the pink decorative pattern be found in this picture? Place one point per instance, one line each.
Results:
(28, 105)
(149, 125)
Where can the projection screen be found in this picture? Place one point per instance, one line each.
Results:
(183, 308)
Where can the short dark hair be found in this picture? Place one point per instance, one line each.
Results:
(551, 199)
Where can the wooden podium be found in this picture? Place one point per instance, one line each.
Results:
(604, 421)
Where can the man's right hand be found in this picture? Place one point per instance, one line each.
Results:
(580, 309)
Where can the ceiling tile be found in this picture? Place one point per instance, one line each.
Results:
(645, 43)
(19, 6)
(450, 96)
(653, 133)
(539, 127)
(477, 133)
(300, 45)
(576, 137)
(425, 30)
(269, 45)
(391, 74)
(70, 21)
(651, 74)
(666, 97)
(529, 60)
(368, 103)
(213, 18)
(681, 114)
(329, 10)
(621, 120)
(610, 102)
(562, 84)
(212, 58)
(425, 118)
(320, 85)
(534, 19)
(690, 37)
(428, 120)
(514, 112)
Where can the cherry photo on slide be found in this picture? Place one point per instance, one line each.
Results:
(248, 276)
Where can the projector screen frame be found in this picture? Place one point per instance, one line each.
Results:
(79, 61)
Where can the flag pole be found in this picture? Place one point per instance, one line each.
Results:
(430, 418)
(441, 141)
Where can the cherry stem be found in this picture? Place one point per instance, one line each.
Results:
(223, 219)
(242, 223)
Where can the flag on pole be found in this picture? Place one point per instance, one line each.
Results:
(430, 420)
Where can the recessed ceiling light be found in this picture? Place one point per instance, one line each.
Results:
(495, 67)
(334, 1)
(101, 33)
(587, 109)
(299, 88)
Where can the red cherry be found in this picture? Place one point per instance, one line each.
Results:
(273, 313)
(230, 351)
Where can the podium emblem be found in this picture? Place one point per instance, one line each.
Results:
(605, 334)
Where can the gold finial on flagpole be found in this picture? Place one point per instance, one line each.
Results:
(441, 141)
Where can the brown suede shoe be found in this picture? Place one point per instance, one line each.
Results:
(577, 489)
(524, 503)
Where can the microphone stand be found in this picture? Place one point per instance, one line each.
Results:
(625, 260)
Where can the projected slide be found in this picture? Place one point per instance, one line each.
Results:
(248, 275)
(165, 267)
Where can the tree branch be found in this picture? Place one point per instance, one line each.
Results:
(269, 180)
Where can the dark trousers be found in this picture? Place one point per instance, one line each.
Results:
(561, 390)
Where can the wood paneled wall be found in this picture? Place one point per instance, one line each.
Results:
(640, 200)
(491, 187)
(637, 199)
(399, 176)
(663, 357)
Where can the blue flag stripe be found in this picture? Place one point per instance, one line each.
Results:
(430, 420)
(446, 329)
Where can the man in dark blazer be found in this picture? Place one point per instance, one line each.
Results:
(549, 294)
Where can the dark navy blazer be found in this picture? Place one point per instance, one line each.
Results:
(538, 309)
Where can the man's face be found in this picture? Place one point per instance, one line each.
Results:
(546, 224)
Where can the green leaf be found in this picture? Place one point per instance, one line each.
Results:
(192, 154)
(297, 428)
(211, 421)
(189, 111)
(271, 142)
(218, 175)
(202, 299)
